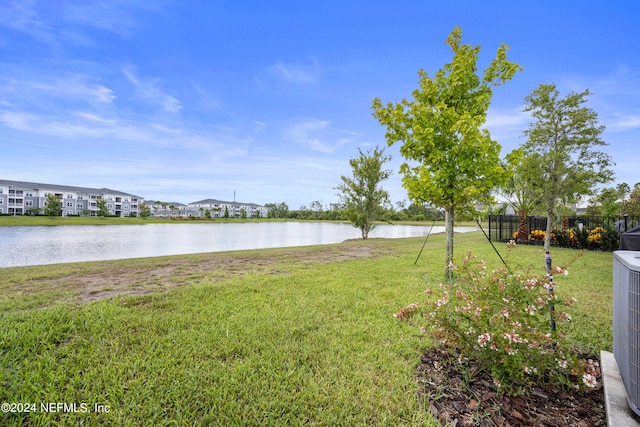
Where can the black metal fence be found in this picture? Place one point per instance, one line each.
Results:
(503, 228)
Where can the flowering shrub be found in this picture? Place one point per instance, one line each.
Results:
(537, 235)
(501, 320)
(565, 238)
(598, 238)
(595, 236)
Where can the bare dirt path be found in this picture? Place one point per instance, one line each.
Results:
(107, 279)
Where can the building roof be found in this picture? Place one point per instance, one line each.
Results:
(152, 202)
(222, 202)
(41, 186)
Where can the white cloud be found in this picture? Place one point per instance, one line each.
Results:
(80, 125)
(147, 89)
(23, 16)
(259, 125)
(207, 101)
(296, 73)
(318, 135)
(303, 133)
(58, 23)
(114, 17)
(65, 87)
(623, 123)
(507, 125)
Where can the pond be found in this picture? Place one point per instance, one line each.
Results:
(22, 246)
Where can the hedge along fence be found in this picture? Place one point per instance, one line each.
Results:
(580, 232)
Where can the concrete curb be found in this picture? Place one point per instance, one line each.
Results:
(618, 412)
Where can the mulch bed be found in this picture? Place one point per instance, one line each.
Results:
(461, 396)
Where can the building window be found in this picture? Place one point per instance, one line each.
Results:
(69, 196)
(29, 203)
(69, 204)
(69, 212)
(79, 205)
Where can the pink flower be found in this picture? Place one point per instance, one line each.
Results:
(589, 380)
(442, 301)
(530, 284)
(484, 339)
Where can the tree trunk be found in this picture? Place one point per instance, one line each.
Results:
(547, 236)
(449, 221)
(523, 228)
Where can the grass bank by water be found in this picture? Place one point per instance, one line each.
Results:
(268, 337)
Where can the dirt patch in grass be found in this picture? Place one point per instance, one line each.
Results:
(108, 279)
(475, 402)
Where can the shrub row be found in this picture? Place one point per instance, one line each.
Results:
(597, 238)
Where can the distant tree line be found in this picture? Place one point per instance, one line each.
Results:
(316, 210)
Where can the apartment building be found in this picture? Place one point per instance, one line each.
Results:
(24, 198)
(168, 209)
(221, 209)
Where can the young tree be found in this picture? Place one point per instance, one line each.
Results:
(361, 194)
(608, 202)
(316, 207)
(521, 193)
(52, 205)
(277, 210)
(145, 210)
(441, 129)
(561, 153)
(631, 206)
(103, 209)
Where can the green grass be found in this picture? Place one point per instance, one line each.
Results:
(307, 338)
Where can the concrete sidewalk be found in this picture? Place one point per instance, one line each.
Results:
(618, 412)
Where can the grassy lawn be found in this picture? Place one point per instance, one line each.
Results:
(270, 337)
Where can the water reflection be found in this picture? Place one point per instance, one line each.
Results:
(21, 246)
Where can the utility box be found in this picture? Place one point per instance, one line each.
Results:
(626, 322)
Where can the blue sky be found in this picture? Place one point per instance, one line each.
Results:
(187, 100)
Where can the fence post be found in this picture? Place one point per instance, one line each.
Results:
(489, 216)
